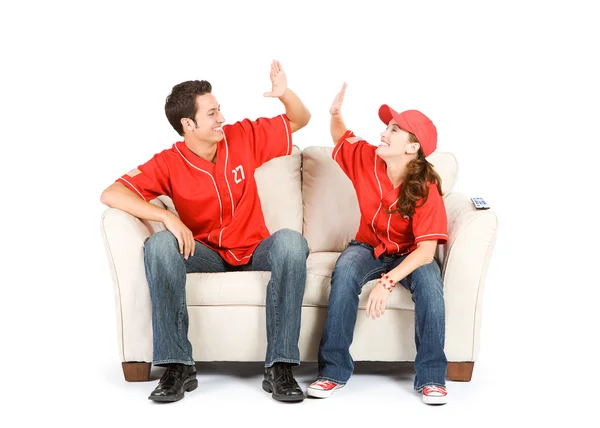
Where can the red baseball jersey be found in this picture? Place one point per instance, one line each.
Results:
(389, 233)
(219, 201)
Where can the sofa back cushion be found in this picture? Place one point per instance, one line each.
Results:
(331, 214)
(279, 189)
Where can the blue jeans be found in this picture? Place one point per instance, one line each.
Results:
(284, 253)
(355, 267)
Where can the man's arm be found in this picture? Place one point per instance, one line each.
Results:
(117, 195)
(337, 126)
(296, 112)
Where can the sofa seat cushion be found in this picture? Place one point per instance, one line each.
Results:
(227, 289)
(249, 288)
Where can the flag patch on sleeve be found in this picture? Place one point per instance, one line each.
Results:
(134, 172)
(353, 140)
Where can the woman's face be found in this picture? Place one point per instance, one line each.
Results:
(395, 142)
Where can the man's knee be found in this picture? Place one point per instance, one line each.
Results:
(290, 244)
(160, 243)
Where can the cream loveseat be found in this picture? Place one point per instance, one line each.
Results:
(307, 192)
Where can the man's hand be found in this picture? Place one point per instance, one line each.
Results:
(278, 80)
(184, 236)
(377, 301)
(336, 107)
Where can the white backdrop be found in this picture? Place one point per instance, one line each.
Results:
(512, 87)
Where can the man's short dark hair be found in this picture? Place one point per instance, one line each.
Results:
(181, 102)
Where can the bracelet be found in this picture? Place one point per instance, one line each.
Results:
(386, 282)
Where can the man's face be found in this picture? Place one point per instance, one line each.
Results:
(207, 125)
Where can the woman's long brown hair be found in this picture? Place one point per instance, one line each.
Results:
(416, 184)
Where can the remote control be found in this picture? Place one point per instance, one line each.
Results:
(480, 203)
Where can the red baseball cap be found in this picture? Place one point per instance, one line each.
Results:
(414, 122)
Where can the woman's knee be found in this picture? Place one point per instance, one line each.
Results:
(427, 280)
(357, 265)
(347, 278)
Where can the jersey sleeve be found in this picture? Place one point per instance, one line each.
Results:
(149, 180)
(349, 152)
(267, 138)
(430, 221)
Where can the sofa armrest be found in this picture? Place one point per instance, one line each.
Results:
(465, 259)
(124, 236)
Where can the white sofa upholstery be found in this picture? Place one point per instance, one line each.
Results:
(307, 192)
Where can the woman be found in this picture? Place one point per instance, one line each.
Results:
(402, 221)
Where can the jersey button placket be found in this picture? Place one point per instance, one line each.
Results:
(381, 225)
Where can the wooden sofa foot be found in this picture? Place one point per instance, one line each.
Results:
(136, 372)
(460, 372)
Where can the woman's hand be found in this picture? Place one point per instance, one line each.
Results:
(377, 301)
(336, 107)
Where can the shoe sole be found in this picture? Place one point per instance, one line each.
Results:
(436, 401)
(172, 398)
(319, 393)
(266, 386)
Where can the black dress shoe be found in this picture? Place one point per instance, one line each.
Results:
(280, 381)
(177, 379)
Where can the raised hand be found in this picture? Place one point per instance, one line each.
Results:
(278, 80)
(336, 107)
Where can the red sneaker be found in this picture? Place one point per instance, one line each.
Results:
(433, 394)
(322, 388)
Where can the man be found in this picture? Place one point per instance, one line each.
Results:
(210, 178)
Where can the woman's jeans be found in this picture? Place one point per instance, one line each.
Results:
(284, 254)
(354, 268)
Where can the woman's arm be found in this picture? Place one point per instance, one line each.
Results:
(337, 127)
(423, 255)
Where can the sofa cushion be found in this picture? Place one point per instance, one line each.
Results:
(249, 288)
(331, 214)
(279, 189)
(227, 289)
